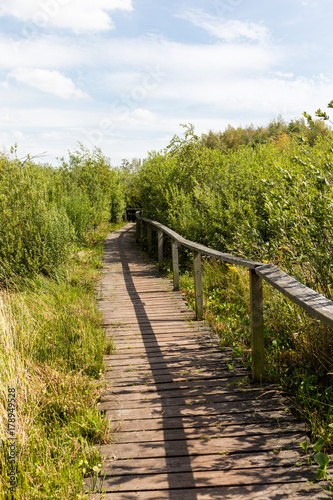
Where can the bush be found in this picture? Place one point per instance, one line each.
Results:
(35, 235)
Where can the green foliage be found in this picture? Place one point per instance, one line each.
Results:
(43, 210)
(94, 190)
(276, 131)
(271, 201)
(322, 460)
(35, 235)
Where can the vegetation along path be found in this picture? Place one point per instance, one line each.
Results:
(190, 427)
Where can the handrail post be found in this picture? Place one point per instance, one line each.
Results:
(175, 264)
(149, 238)
(142, 235)
(160, 249)
(125, 215)
(257, 326)
(198, 285)
(137, 229)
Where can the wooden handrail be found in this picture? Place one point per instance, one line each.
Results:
(312, 302)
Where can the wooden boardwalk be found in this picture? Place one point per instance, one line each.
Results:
(189, 426)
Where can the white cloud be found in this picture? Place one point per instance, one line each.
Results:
(43, 52)
(281, 74)
(228, 30)
(163, 59)
(52, 82)
(77, 15)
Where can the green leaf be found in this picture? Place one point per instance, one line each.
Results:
(321, 473)
(305, 446)
(319, 444)
(322, 459)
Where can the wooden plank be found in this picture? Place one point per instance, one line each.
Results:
(179, 401)
(229, 393)
(209, 478)
(203, 421)
(314, 303)
(168, 349)
(203, 463)
(207, 433)
(277, 491)
(177, 363)
(168, 377)
(169, 358)
(197, 409)
(183, 370)
(149, 239)
(198, 384)
(189, 447)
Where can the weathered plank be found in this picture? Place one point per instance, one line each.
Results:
(212, 462)
(178, 401)
(218, 446)
(204, 408)
(277, 491)
(203, 421)
(201, 479)
(206, 433)
(229, 393)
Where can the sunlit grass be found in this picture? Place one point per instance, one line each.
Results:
(51, 352)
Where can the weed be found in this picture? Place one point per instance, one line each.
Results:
(322, 460)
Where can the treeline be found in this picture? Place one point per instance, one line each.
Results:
(44, 210)
(278, 131)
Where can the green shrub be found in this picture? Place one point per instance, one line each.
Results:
(35, 235)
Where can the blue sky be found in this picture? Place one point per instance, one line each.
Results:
(123, 74)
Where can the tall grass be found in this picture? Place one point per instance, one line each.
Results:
(51, 347)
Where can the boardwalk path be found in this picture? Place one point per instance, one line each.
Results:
(189, 426)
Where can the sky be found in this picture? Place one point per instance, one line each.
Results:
(122, 75)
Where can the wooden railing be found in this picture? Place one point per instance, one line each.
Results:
(315, 304)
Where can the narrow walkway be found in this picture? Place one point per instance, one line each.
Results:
(190, 427)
